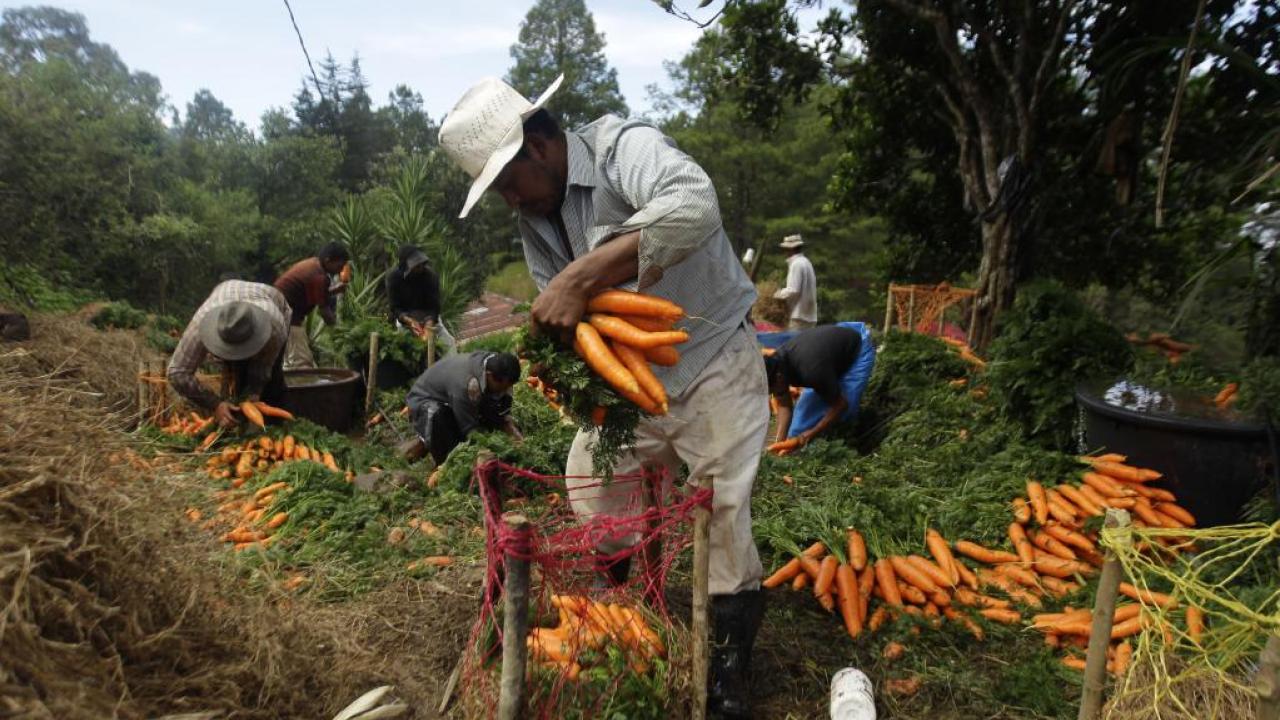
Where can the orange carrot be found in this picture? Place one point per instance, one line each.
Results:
(908, 572)
(1018, 536)
(965, 596)
(592, 348)
(783, 574)
(1107, 457)
(815, 551)
(811, 567)
(1195, 623)
(847, 586)
(253, 414)
(272, 411)
(866, 583)
(649, 324)
(878, 618)
(1148, 514)
(956, 616)
(911, 593)
(635, 361)
(1021, 511)
(1062, 513)
(1040, 506)
(1147, 597)
(827, 601)
(1008, 617)
(982, 554)
(1124, 653)
(1094, 496)
(624, 332)
(1124, 472)
(277, 520)
(942, 554)
(1107, 485)
(1154, 494)
(1177, 512)
(1051, 545)
(801, 582)
(1070, 537)
(935, 573)
(1225, 394)
(624, 302)
(666, 356)
(1055, 566)
(887, 581)
(1018, 573)
(1058, 588)
(1077, 498)
(826, 575)
(967, 576)
(1074, 662)
(857, 551)
(1132, 626)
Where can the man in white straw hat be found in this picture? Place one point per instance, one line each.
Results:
(616, 204)
(801, 291)
(245, 325)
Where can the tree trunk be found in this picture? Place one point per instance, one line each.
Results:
(997, 277)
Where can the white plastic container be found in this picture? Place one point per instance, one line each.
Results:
(852, 696)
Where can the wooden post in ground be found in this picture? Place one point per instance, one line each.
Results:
(515, 618)
(371, 377)
(973, 317)
(1104, 610)
(142, 392)
(701, 599)
(888, 308)
(911, 310)
(1267, 682)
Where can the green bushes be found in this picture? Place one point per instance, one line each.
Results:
(1048, 342)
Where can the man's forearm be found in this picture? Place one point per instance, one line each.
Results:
(610, 264)
(832, 414)
(784, 422)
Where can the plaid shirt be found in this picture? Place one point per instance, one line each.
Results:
(625, 175)
(191, 352)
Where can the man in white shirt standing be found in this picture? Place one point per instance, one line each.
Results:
(801, 292)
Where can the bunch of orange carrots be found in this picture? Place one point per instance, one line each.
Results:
(1051, 553)
(262, 454)
(623, 335)
(1164, 343)
(586, 624)
(252, 525)
(191, 424)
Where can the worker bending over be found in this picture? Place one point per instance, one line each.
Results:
(833, 364)
(460, 394)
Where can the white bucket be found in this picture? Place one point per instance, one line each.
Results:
(852, 696)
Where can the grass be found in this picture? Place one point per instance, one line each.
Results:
(512, 280)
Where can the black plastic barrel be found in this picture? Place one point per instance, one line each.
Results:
(1213, 465)
(325, 396)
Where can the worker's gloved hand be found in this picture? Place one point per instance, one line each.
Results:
(558, 309)
(225, 415)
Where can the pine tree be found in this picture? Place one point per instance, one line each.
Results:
(559, 36)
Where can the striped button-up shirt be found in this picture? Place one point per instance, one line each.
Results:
(625, 175)
(191, 352)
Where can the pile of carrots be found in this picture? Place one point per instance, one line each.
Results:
(586, 624)
(191, 424)
(1051, 553)
(966, 352)
(247, 515)
(622, 335)
(262, 454)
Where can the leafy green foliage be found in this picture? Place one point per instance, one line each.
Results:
(350, 342)
(497, 342)
(1047, 344)
(24, 286)
(559, 36)
(118, 316)
(581, 391)
(1260, 389)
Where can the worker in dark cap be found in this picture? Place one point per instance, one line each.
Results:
(832, 363)
(413, 292)
(457, 396)
(246, 326)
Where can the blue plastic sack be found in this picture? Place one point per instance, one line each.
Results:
(810, 408)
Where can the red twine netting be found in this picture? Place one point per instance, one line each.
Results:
(595, 646)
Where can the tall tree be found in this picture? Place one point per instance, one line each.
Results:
(559, 36)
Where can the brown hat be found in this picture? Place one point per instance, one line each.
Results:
(235, 331)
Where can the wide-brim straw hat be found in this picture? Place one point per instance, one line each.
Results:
(792, 242)
(485, 130)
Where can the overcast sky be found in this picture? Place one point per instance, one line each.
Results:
(246, 53)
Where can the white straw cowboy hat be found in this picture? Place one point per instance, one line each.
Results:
(791, 242)
(486, 129)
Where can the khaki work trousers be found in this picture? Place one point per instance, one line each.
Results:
(717, 427)
(297, 350)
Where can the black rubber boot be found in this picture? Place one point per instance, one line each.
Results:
(734, 621)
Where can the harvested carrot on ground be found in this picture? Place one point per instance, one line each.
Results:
(1195, 623)
(592, 348)
(1021, 511)
(1051, 545)
(857, 550)
(1147, 597)
(628, 334)
(942, 554)
(1008, 617)
(271, 411)
(826, 575)
(1021, 545)
(984, 555)
(887, 581)
(935, 573)
(908, 572)
(782, 575)
(1124, 472)
(1070, 537)
(847, 587)
(625, 302)
(1039, 505)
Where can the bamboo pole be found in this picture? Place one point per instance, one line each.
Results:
(371, 376)
(515, 618)
(1104, 610)
(701, 599)
(888, 308)
(1267, 682)
(911, 310)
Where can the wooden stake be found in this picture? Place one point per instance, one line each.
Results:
(371, 376)
(1267, 682)
(515, 619)
(1104, 610)
(142, 392)
(888, 308)
(701, 599)
(911, 310)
